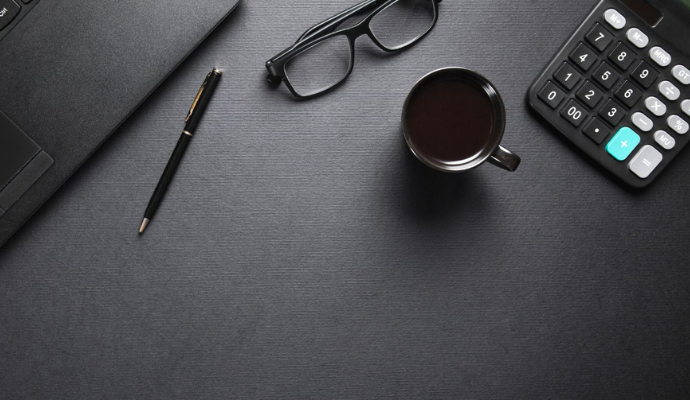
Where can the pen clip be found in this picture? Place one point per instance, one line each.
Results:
(198, 95)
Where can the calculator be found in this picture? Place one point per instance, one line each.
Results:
(619, 88)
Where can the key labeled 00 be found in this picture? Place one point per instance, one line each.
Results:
(574, 113)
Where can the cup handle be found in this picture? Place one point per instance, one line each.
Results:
(505, 159)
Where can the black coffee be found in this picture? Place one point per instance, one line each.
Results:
(450, 119)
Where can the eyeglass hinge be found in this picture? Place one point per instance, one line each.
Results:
(274, 80)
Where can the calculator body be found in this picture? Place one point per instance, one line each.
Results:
(619, 87)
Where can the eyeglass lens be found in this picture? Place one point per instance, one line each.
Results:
(320, 67)
(402, 23)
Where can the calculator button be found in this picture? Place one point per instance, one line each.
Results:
(678, 124)
(599, 37)
(590, 94)
(574, 113)
(551, 95)
(636, 37)
(615, 19)
(583, 57)
(628, 93)
(645, 75)
(596, 130)
(645, 162)
(669, 90)
(685, 105)
(606, 75)
(622, 56)
(642, 121)
(655, 106)
(623, 143)
(681, 74)
(660, 56)
(9, 10)
(663, 139)
(567, 76)
(612, 112)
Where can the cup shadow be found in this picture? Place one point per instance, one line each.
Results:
(434, 196)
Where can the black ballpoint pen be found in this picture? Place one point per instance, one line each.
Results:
(193, 117)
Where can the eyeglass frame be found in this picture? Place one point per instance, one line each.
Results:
(321, 32)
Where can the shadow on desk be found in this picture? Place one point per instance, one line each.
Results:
(431, 196)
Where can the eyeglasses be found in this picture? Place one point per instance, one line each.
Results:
(323, 57)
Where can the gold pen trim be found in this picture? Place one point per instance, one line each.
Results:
(201, 90)
(198, 95)
(196, 100)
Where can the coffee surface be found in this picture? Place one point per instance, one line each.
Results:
(450, 120)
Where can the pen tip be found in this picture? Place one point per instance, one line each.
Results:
(144, 224)
(216, 70)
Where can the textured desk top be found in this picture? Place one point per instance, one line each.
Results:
(303, 253)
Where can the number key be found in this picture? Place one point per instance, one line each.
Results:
(574, 113)
(645, 75)
(590, 94)
(599, 37)
(606, 75)
(567, 76)
(551, 95)
(612, 112)
(583, 57)
(622, 56)
(628, 93)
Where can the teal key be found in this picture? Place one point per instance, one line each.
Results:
(623, 143)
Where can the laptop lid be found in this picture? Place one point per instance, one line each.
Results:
(72, 71)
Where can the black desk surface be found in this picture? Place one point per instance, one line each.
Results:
(303, 253)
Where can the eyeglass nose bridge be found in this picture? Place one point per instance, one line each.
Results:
(362, 28)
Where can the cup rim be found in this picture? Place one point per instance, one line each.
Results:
(499, 119)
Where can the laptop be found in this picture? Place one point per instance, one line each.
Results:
(71, 71)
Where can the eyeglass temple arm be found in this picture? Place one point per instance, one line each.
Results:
(334, 20)
(324, 26)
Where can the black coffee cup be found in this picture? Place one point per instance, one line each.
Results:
(453, 121)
